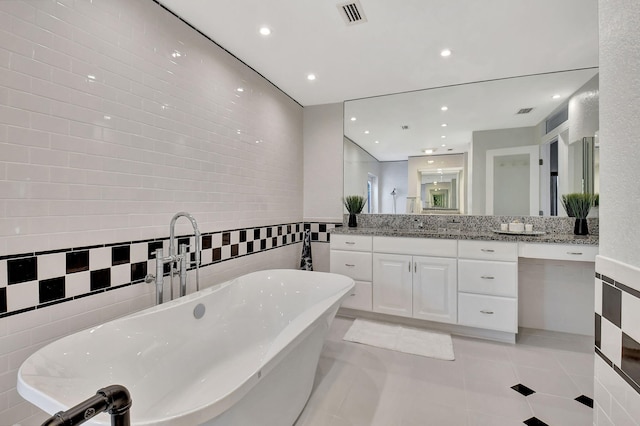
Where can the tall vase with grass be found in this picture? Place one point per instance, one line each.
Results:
(578, 205)
(354, 205)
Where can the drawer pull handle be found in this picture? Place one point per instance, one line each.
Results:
(349, 242)
(486, 312)
(349, 265)
(487, 277)
(488, 250)
(575, 253)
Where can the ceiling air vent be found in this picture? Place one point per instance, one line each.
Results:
(405, 127)
(524, 111)
(352, 13)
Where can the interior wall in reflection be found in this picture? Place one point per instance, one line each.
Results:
(393, 176)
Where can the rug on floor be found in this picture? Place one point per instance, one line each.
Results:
(400, 338)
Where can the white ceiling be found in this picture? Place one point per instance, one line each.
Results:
(398, 48)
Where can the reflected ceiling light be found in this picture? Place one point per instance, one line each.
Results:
(377, 141)
(444, 108)
(444, 145)
(265, 31)
(176, 54)
(430, 162)
(443, 125)
(353, 119)
(311, 77)
(435, 182)
(443, 137)
(556, 96)
(445, 52)
(239, 89)
(428, 151)
(366, 132)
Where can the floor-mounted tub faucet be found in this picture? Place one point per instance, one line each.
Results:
(182, 258)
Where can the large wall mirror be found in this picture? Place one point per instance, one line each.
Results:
(509, 146)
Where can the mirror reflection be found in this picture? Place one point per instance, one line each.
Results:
(510, 146)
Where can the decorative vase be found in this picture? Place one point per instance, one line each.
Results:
(581, 227)
(352, 220)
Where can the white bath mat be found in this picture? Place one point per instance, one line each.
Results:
(400, 338)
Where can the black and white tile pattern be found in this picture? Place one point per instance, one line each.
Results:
(32, 280)
(616, 327)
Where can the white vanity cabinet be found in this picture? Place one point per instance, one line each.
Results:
(351, 256)
(488, 285)
(408, 282)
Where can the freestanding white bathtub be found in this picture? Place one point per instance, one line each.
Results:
(249, 360)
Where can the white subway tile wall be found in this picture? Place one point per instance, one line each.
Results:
(617, 333)
(105, 133)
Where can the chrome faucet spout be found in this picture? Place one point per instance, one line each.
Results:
(173, 249)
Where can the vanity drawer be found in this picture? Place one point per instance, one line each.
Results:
(351, 242)
(360, 297)
(488, 250)
(576, 252)
(416, 246)
(488, 277)
(489, 312)
(356, 265)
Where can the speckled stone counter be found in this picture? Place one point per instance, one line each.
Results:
(557, 230)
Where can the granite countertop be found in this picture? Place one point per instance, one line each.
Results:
(548, 238)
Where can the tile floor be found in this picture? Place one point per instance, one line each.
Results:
(362, 385)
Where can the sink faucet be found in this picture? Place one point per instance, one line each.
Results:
(174, 257)
(183, 255)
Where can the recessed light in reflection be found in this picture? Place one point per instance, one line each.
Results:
(444, 108)
(353, 119)
(377, 141)
(556, 96)
(445, 52)
(366, 132)
(443, 125)
(430, 162)
(265, 31)
(240, 89)
(443, 137)
(311, 77)
(428, 151)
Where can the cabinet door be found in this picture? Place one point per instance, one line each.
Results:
(435, 289)
(392, 284)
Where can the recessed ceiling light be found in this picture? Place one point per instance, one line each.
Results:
(556, 96)
(443, 125)
(443, 145)
(239, 89)
(428, 151)
(353, 119)
(377, 141)
(430, 162)
(444, 108)
(265, 31)
(366, 132)
(443, 137)
(445, 52)
(435, 182)
(311, 77)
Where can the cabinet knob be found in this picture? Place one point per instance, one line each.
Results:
(484, 311)
(487, 277)
(488, 250)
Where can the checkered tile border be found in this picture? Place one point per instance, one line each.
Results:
(35, 280)
(320, 231)
(617, 329)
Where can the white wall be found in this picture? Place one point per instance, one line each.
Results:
(615, 401)
(323, 162)
(105, 133)
(584, 109)
(393, 174)
(358, 164)
(493, 139)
